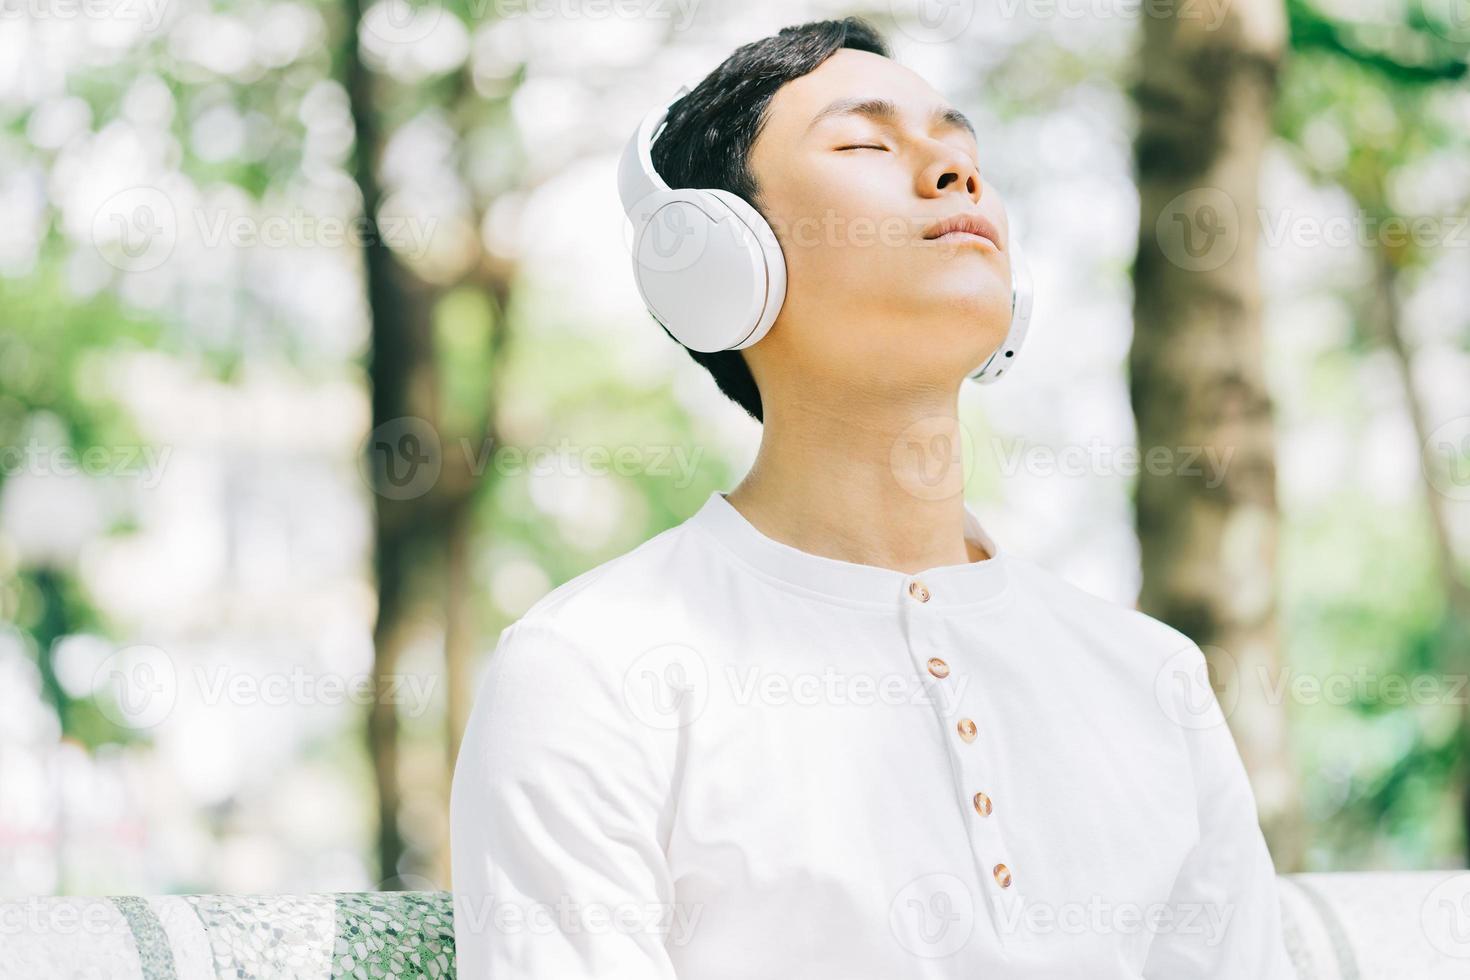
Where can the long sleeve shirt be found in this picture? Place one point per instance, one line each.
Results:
(719, 757)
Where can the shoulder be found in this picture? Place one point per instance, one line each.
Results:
(562, 707)
(629, 601)
(1148, 664)
(1103, 617)
(582, 653)
(1115, 642)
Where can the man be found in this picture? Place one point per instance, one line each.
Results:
(828, 726)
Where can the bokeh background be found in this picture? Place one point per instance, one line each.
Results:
(320, 361)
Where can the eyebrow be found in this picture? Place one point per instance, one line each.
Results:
(884, 111)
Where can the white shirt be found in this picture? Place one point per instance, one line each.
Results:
(719, 757)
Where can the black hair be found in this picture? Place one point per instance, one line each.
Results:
(707, 138)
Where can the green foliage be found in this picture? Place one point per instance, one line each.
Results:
(1362, 106)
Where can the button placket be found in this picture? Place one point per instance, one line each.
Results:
(987, 844)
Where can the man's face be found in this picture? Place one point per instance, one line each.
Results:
(851, 196)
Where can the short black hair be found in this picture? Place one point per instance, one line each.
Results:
(707, 138)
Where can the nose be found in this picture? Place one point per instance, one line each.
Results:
(950, 170)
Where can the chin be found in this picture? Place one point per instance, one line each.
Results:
(968, 310)
(969, 323)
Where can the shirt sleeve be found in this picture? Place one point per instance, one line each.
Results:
(558, 799)
(1223, 921)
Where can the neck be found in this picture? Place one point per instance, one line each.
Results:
(880, 486)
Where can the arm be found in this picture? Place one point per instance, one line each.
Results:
(558, 797)
(1224, 918)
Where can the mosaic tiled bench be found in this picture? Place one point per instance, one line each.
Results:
(1342, 926)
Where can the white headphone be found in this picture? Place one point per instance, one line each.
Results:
(709, 267)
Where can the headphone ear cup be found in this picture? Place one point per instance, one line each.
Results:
(761, 239)
(702, 260)
(1004, 356)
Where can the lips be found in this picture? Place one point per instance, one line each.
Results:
(966, 223)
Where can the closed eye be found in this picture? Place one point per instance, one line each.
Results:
(862, 146)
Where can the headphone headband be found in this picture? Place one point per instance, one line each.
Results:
(637, 177)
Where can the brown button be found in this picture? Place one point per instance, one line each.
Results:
(967, 729)
(938, 667)
(982, 805)
(1002, 876)
(918, 591)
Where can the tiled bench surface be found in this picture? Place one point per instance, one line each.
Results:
(1339, 926)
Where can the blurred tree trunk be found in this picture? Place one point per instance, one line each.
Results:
(424, 527)
(399, 352)
(1206, 499)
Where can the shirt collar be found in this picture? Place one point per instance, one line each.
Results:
(960, 586)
